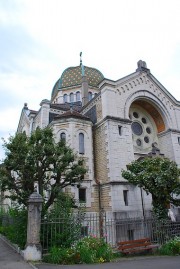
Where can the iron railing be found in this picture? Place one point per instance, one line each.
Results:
(65, 231)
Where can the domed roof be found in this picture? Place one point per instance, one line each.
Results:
(72, 76)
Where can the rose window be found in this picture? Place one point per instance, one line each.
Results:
(144, 130)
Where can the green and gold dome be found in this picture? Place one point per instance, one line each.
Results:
(72, 77)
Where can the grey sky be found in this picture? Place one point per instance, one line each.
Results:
(41, 38)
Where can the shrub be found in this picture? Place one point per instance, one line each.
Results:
(88, 250)
(93, 249)
(61, 227)
(14, 226)
(172, 247)
(60, 256)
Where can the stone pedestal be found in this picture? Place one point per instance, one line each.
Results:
(33, 250)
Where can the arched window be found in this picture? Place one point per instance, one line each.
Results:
(77, 96)
(71, 97)
(81, 143)
(89, 95)
(65, 98)
(63, 136)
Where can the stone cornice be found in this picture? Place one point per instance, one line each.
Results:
(169, 131)
(114, 183)
(120, 120)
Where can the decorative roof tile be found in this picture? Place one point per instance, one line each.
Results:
(72, 76)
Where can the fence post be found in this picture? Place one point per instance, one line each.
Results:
(33, 249)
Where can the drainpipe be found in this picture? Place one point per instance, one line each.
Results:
(142, 202)
(101, 219)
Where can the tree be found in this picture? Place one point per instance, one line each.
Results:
(40, 159)
(158, 176)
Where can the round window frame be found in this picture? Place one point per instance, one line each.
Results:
(137, 124)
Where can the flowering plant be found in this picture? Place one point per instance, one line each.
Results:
(90, 249)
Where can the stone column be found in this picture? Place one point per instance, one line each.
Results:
(33, 250)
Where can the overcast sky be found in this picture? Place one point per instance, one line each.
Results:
(41, 38)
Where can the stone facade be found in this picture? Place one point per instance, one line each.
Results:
(119, 124)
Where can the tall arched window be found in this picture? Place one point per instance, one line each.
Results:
(63, 136)
(65, 98)
(89, 95)
(71, 97)
(81, 143)
(77, 96)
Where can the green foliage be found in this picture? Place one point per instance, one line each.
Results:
(62, 207)
(171, 248)
(87, 250)
(60, 225)
(158, 176)
(92, 249)
(38, 158)
(14, 226)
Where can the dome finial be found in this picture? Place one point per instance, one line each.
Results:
(80, 58)
(81, 64)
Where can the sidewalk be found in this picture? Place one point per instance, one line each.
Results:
(132, 263)
(10, 259)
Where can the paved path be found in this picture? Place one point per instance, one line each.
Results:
(138, 263)
(10, 259)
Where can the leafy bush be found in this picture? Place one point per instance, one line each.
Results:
(93, 249)
(171, 248)
(60, 256)
(61, 227)
(14, 226)
(88, 250)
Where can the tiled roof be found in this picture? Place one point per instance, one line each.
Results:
(33, 111)
(72, 114)
(72, 76)
(66, 106)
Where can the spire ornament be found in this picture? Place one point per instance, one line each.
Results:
(81, 64)
(80, 58)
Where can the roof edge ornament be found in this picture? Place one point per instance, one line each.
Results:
(25, 106)
(81, 64)
(142, 66)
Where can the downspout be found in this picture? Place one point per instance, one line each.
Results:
(99, 193)
(101, 216)
(142, 202)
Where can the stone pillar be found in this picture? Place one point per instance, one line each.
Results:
(33, 250)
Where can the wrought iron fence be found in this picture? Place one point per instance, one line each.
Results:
(65, 231)
(158, 231)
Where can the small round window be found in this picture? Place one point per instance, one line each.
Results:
(135, 114)
(144, 120)
(148, 130)
(146, 139)
(136, 128)
(138, 142)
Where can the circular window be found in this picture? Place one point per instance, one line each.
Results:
(144, 120)
(148, 130)
(136, 128)
(138, 142)
(146, 139)
(143, 129)
(135, 114)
